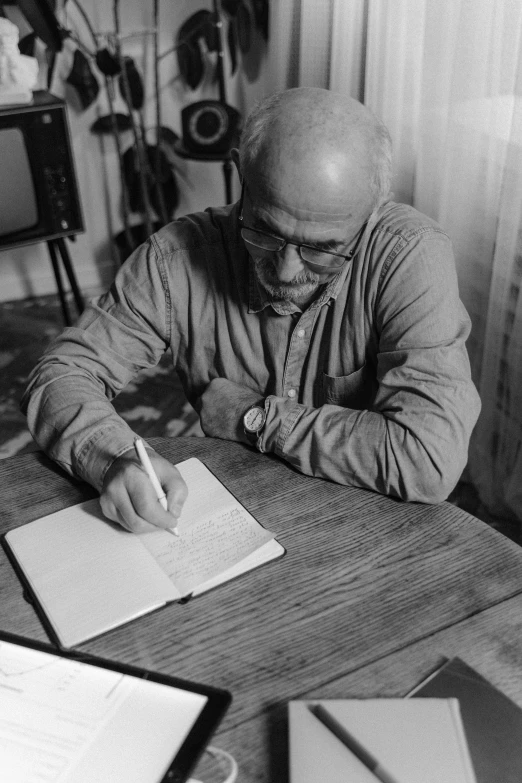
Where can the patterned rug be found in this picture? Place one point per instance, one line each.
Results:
(153, 404)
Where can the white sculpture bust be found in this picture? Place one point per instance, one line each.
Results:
(18, 73)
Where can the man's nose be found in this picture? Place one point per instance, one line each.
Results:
(289, 263)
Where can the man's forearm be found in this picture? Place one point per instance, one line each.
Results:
(418, 458)
(68, 399)
(72, 420)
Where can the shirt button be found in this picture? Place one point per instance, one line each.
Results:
(291, 393)
(301, 333)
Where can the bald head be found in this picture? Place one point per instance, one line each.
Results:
(317, 152)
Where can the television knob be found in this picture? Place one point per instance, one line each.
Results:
(64, 224)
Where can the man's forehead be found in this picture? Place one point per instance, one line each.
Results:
(300, 223)
(271, 201)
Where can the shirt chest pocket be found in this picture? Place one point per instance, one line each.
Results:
(356, 390)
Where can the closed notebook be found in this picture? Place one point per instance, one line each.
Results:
(492, 722)
(416, 741)
(88, 575)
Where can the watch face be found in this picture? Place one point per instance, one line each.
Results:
(254, 419)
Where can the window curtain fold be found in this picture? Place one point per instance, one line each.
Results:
(318, 44)
(445, 76)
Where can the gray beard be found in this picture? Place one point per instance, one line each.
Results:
(301, 288)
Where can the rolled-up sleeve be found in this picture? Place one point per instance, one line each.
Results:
(68, 397)
(412, 440)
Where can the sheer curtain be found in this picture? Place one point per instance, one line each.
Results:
(318, 43)
(446, 78)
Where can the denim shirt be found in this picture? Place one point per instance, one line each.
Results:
(369, 386)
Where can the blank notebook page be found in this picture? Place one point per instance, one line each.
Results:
(415, 746)
(110, 577)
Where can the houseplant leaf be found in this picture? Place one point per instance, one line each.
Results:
(169, 189)
(230, 7)
(130, 74)
(160, 175)
(107, 63)
(244, 28)
(190, 64)
(167, 135)
(209, 33)
(196, 26)
(131, 178)
(83, 80)
(261, 14)
(188, 51)
(26, 44)
(232, 45)
(104, 124)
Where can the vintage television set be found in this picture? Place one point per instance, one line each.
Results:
(38, 191)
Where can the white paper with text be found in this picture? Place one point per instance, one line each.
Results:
(63, 721)
(216, 533)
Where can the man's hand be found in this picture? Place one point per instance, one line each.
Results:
(223, 404)
(128, 496)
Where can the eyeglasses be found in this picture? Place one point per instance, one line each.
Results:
(312, 256)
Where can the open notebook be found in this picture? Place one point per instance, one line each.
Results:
(88, 575)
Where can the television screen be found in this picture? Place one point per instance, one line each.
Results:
(18, 205)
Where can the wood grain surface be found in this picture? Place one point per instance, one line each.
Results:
(365, 580)
(490, 642)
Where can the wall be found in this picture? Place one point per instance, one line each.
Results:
(26, 272)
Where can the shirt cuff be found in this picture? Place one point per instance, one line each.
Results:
(281, 417)
(99, 452)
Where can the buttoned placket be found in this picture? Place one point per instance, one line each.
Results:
(302, 331)
(301, 338)
(297, 352)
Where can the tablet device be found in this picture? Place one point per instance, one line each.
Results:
(77, 718)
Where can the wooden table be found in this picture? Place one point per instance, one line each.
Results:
(369, 598)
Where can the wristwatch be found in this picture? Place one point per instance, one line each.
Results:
(253, 422)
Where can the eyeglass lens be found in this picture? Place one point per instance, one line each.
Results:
(308, 254)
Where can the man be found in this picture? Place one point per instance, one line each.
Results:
(315, 319)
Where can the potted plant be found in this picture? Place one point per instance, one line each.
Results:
(149, 167)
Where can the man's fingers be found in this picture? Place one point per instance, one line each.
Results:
(129, 498)
(108, 509)
(131, 521)
(146, 502)
(147, 506)
(125, 515)
(174, 487)
(126, 500)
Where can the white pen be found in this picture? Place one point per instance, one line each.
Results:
(154, 480)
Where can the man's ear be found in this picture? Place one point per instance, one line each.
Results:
(234, 154)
